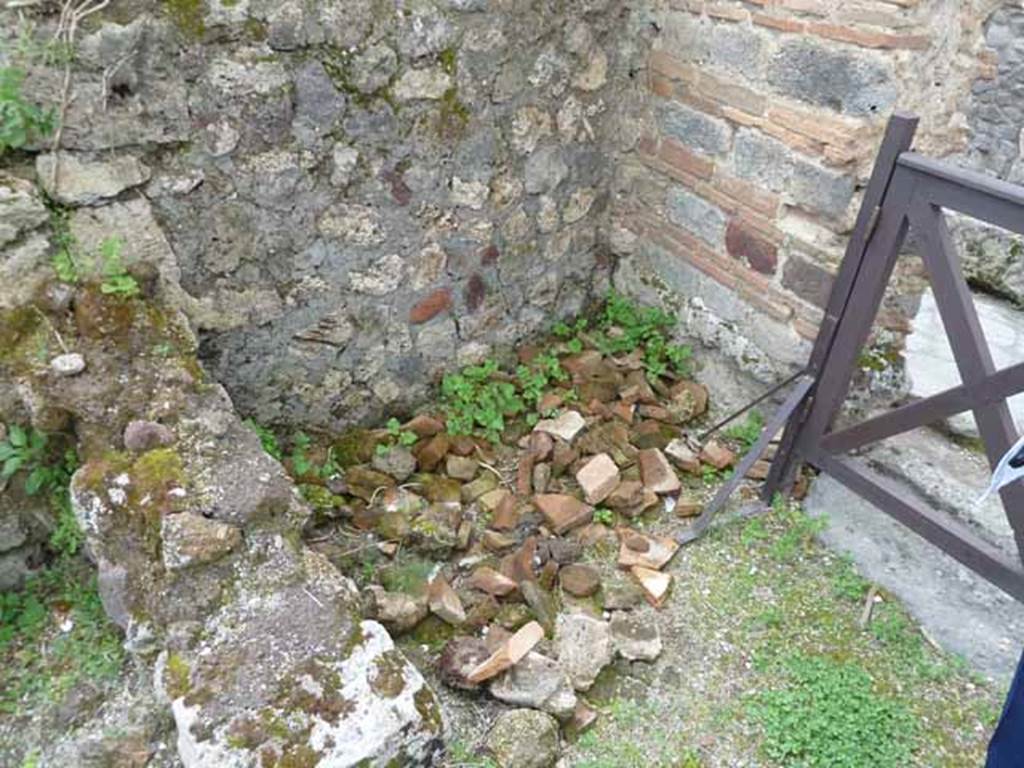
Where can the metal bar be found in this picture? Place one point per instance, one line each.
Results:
(899, 135)
(970, 350)
(996, 387)
(780, 417)
(736, 414)
(951, 536)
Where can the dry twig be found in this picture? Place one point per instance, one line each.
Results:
(72, 13)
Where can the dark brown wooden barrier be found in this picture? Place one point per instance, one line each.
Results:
(906, 192)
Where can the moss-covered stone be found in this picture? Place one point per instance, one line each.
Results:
(176, 676)
(189, 16)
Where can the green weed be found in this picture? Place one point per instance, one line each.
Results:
(29, 450)
(20, 121)
(54, 635)
(396, 436)
(827, 714)
(624, 327)
(476, 402)
(747, 432)
(847, 583)
(268, 439)
(115, 279)
(604, 516)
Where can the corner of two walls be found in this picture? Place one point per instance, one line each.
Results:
(761, 124)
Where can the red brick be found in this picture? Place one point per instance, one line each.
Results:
(747, 195)
(660, 85)
(679, 157)
(726, 12)
(745, 243)
(814, 7)
(431, 306)
(474, 292)
(779, 23)
(731, 94)
(672, 68)
(489, 255)
(867, 39)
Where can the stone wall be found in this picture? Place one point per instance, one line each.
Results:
(763, 121)
(358, 194)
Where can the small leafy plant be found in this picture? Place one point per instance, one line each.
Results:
(43, 662)
(476, 401)
(301, 465)
(396, 436)
(604, 516)
(26, 449)
(267, 438)
(624, 327)
(20, 121)
(116, 279)
(828, 714)
(748, 431)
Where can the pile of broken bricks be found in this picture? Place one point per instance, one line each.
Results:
(508, 525)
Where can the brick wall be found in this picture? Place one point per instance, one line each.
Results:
(762, 121)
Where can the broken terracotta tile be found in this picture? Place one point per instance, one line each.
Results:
(424, 425)
(444, 603)
(432, 451)
(506, 515)
(627, 494)
(684, 457)
(760, 470)
(509, 653)
(540, 445)
(524, 474)
(490, 581)
(563, 512)
(490, 501)
(461, 467)
(660, 550)
(688, 505)
(580, 580)
(656, 473)
(549, 401)
(655, 412)
(717, 455)
(496, 541)
(565, 427)
(598, 478)
(687, 400)
(624, 411)
(519, 565)
(654, 584)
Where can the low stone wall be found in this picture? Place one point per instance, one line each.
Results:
(763, 121)
(358, 194)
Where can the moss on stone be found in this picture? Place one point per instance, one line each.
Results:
(453, 116)
(337, 63)
(189, 16)
(20, 330)
(449, 61)
(177, 676)
(433, 633)
(389, 674)
(429, 709)
(355, 446)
